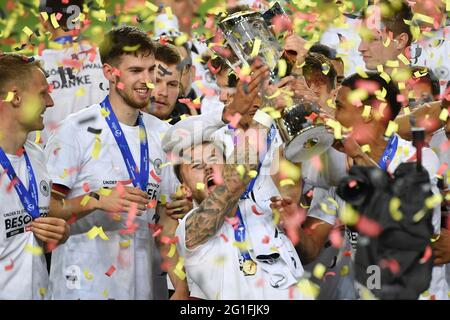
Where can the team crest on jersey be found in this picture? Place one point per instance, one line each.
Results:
(44, 188)
(157, 165)
(117, 133)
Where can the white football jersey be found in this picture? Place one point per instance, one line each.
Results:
(23, 270)
(83, 155)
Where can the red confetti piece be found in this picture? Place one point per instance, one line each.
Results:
(116, 72)
(336, 238)
(27, 228)
(120, 86)
(266, 239)
(11, 184)
(154, 176)
(58, 16)
(442, 168)
(10, 266)
(391, 264)
(72, 219)
(50, 246)
(110, 271)
(312, 116)
(20, 151)
(352, 183)
(234, 119)
(316, 162)
(291, 292)
(329, 274)
(426, 255)
(224, 237)
(347, 253)
(165, 240)
(152, 204)
(368, 227)
(50, 88)
(86, 187)
(156, 233)
(310, 193)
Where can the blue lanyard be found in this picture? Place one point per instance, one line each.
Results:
(389, 152)
(63, 39)
(29, 198)
(138, 176)
(239, 232)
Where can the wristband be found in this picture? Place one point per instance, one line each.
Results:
(263, 118)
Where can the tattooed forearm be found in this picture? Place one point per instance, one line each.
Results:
(204, 223)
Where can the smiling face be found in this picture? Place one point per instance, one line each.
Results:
(166, 91)
(202, 171)
(35, 98)
(135, 72)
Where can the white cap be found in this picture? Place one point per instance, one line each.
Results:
(189, 132)
(166, 26)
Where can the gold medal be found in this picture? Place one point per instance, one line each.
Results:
(249, 267)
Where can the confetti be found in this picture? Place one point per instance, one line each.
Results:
(9, 266)
(256, 47)
(444, 115)
(154, 176)
(366, 148)
(255, 211)
(200, 186)
(110, 271)
(394, 205)
(426, 255)
(172, 250)
(9, 96)
(319, 270)
(87, 275)
(287, 182)
(34, 250)
(120, 85)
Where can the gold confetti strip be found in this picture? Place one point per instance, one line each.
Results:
(172, 250)
(200, 186)
(308, 288)
(34, 250)
(394, 205)
(366, 148)
(443, 115)
(9, 96)
(256, 47)
(287, 182)
(319, 270)
(392, 127)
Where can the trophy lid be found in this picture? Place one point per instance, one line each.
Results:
(231, 20)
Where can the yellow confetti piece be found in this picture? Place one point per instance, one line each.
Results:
(443, 115)
(419, 215)
(87, 275)
(392, 64)
(380, 68)
(275, 114)
(366, 111)
(424, 18)
(276, 94)
(85, 200)
(91, 234)
(125, 244)
(183, 116)
(27, 31)
(337, 128)
(308, 288)
(425, 293)
(252, 173)
(331, 103)
(403, 59)
(150, 85)
(105, 192)
(180, 40)
(433, 201)
(54, 22)
(80, 92)
(387, 42)
(245, 70)
(34, 250)
(38, 137)
(169, 12)
(163, 199)
(287, 182)
(401, 86)
(242, 245)
(131, 48)
(200, 186)
(394, 205)
(407, 111)
(330, 211)
(391, 128)
(434, 239)
(276, 217)
(362, 73)
(97, 147)
(151, 6)
(240, 170)
(349, 215)
(386, 78)
(102, 234)
(172, 250)
(344, 271)
(319, 271)
(282, 67)
(366, 148)
(104, 112)
(256, 47)
(357, 95)
(325, 68)
(9, 96)
(42, 291)
(179, 269)
(105, 293)
(44, 16)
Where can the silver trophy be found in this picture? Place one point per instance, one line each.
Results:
(303, 138)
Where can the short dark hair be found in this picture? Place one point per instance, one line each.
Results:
(393, 14)
(429, 77)
(392, 91)
(314, 70)
(57, 6)
(125, 40)
(17, 70)
(325, 50)
(167, 54)
(221, 65)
